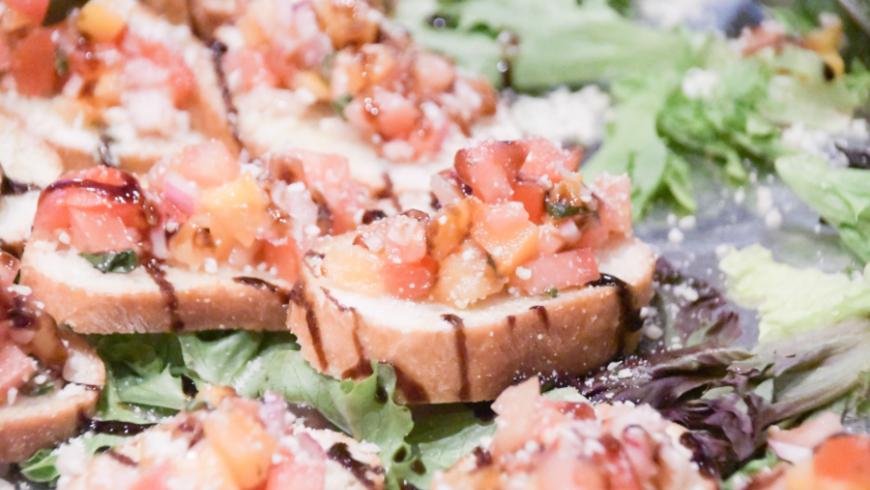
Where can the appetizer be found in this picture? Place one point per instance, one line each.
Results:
(337, 77)
(199, 243)
(49, 378)
(525, 269)
(112, 83)
(230, 443)
(543, 443)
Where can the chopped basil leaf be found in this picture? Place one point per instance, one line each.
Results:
(559, 210)
(196, 404)
(61, 63)
(340, 104)
(552, 292)
(40, 467)
(119, 262)
(17, 279)
(43, 389)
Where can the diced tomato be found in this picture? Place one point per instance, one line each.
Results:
(615, 205)
(448, 228)
(844, 458)
(330, 175)
(465, 277)
(490, 169)
(5, 54)
(505, 232)
(296, 473)
(354, 268)
(394, 116)
(404, 240)
(428, 137)
(153, 478)
(98, 207)
(34, 10)
(283, 255)
(236, 210)
(563, 270)
(432, 73)
(614, 461)
(209, 164)
(9, 266)
(181, 81)
(96, 229)
(243, 444)
(15, 369)
(550, 241)
(410, 280)
(246, 69)
(517, 409)
(531, 195)
(544, 159)
(33, 64)
(593, 235)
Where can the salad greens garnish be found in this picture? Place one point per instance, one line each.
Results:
(118, 262)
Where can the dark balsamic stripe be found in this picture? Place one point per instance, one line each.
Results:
(461, 353)
(218, 50)
(258, 283)
(340, 454)
(298, 297)
(629, 313)
(542, 314)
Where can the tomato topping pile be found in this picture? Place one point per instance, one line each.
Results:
(199, 209)
(842, 462)
(26, 334)
(514, 216)
(398, 96)
(573, 445)
(240, 444)
(95, 62)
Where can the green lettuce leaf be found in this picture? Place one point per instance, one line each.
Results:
(840, 195)
(789, 299)
(561, 41)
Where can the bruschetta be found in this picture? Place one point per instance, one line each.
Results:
(232, 443)
(337, 77)
(27, 164)
(199, 243)
(525, 269)
(113, 83)
(49, 378)
(544, 443)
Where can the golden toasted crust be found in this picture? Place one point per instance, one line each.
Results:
(78, 295)
(443, 355)
(33, 423)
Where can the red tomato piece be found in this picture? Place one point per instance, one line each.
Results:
(32, 64)
(9, 266)
(182, 81)
(296, 473)
(16, 367)
(247, 69)
(284, 256)
(531, 195)
(34, 10)
(153, 478)
(490, 168)
(615, 203)
(844, 458)
(100, 206)
(545, 159)
(563, 270)
(410, 281)
(208, 164)
(330, 175)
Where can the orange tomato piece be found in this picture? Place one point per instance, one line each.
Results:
(465, 277)
(282, 254)
(242, 443)
(844, 458)
(505, 232)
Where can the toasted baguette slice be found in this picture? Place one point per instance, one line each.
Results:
(27, 164)
(33, 423)
(443, 354)
(78, 295)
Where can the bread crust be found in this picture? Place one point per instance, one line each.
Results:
(78, 295)
(34, 423)
(440, 360)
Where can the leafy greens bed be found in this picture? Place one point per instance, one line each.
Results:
(665, 120)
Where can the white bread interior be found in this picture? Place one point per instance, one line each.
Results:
(25, 158)
(77, 294)
(32, 423)
(581, 332)
(16, 219)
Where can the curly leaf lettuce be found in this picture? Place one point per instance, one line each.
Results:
(789, 299)
(840, 195)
